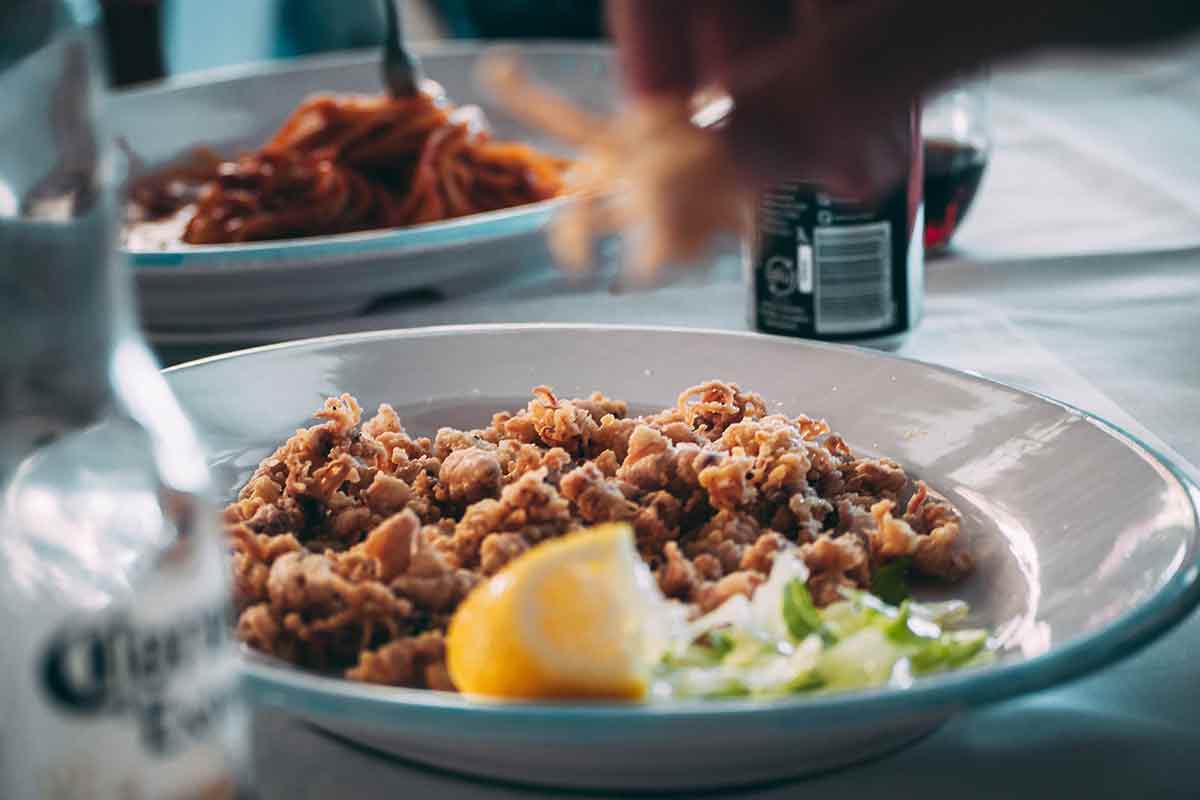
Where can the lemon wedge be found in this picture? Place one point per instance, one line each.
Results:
(569, 618)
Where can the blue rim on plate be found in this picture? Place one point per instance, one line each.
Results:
(476, 229)
(336, 698)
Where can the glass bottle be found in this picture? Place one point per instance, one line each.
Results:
(119, 675)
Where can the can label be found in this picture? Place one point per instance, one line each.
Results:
(825, 267)
(822, 267)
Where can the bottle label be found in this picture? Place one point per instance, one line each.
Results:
(826, 268)
(136, 700)
(113, 668)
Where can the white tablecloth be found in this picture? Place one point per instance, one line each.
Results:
(1115, 331)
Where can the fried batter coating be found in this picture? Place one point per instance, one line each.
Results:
(354, 542)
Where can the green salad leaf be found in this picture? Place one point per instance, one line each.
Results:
(948, 651)
(800, 615)
(779, 643)
(721, 643)
(890, 583)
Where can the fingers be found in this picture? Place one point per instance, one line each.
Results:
(806, 15)
(856, 153)
(504, 75)
(681, 46)
(812, 107)
(725, 32)
(654, 45)
(572, 237)
(866, 175)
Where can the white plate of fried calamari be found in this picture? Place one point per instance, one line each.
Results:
(894, 491)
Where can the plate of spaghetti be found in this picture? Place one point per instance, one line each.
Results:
(342, 164)
(283, 193)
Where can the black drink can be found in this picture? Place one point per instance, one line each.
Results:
(830, 268)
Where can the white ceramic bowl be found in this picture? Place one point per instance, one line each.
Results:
(321, 277)
(1087, 541)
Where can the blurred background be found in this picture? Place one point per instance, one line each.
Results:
(1083, 154)
(194, 36)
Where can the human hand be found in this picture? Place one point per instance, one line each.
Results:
(821, 90)
(805, 106)
(819, 85)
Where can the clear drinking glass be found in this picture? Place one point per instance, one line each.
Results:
(956, 129)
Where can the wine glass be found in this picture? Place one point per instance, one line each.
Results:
(956, 130)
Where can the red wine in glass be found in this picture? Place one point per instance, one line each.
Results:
(953, 170)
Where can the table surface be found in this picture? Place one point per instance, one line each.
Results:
(1078, 275)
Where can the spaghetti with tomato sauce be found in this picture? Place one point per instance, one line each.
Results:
(346, 163)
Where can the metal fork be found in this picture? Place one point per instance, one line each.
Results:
(401, 70)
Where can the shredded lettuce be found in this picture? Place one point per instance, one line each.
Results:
(773, 596)
(802, 618)
(781, 644)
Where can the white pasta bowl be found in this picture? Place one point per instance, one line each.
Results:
(1086, 540)
(205, 287)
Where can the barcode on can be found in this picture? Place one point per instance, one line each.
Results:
(853, 265)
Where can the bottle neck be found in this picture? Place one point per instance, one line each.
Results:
(65, 305)
(65, 297)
